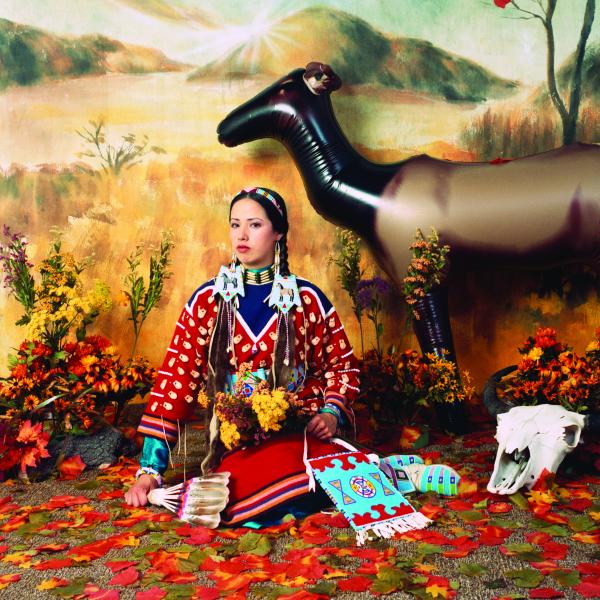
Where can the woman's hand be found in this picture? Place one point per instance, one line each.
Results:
(137, 494)
(323, 426)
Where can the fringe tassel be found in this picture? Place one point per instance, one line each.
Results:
(309, 470)
(388, 529)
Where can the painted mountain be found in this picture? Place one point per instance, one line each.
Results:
(29, 55)
(361, 54)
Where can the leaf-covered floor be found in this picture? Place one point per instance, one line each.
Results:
(77, 539)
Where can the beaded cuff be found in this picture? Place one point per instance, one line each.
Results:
(332, 409)
(149, 471)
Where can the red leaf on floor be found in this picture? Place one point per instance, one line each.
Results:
(231, 583)
(14, 523)
(52, 547)
(126, 577)
(554, 550)
(71, 468)
(538, 537)
(6, 580)
(337, 520)
(546, 593)
(118, 565)
(545, 567)
(181, 578)
(197, 536)
(499, 507)
(64, 502)
(201, 592)
(432, 511)
(465, 542)
(588, 588)
(304, 595)
(354, 584)
(99, 548)
(587, 537)
(578, 504)
(493, 536)
(54, 563)
(105, 495)
(589, 568)
(315, 535)
(154, 593)
(459, 505)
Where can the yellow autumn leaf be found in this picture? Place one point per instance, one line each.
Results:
(437, 591)
(537, 497)
(50, 584)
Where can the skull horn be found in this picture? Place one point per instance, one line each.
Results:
(490, 397)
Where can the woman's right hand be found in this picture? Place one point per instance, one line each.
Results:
(137, 494)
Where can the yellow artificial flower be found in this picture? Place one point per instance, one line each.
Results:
(535, 353)
(230, 436)
(270, 408)
(203, 399)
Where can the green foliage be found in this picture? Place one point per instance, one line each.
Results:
(143, 298)
(26, 68)
(347, 261)
(114, 158)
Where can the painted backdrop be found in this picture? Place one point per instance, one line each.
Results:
(457, 79)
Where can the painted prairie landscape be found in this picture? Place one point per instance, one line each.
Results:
(402, 95)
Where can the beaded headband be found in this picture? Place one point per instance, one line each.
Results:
(266, 194)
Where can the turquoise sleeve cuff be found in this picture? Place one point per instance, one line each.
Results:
(155, 454)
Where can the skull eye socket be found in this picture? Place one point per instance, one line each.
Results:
(571, 435)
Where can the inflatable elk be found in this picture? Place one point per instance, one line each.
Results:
(530, 210)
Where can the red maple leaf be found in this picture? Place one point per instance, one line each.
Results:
(54, 563)
(98, 594)
(154, 593)
(546, 593)
(589, 569)
(118, 565)
(125, 577)
(588, 588)
(354, 584)
(71, 468)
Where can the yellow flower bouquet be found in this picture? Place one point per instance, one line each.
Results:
(251, 411)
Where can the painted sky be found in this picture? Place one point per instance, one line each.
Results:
(198, 31)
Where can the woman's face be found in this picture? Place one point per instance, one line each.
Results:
(252, 235)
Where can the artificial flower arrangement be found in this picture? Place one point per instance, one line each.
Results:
(405, 382)
(61, 380)
(551, 372)
(252, 411)
(427, 268)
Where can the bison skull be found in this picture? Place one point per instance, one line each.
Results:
(531, 439)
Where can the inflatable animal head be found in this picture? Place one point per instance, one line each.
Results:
(281, 106)
(532, 439)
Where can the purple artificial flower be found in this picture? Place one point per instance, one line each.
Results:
(372, 290)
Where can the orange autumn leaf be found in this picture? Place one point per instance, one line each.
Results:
(71, 468)
(408, 437)
(31, 434)
(6, 580)
(466, 487)
(586, 537)
(51, 584)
